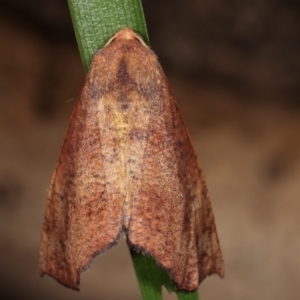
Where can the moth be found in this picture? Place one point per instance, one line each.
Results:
(127, 165)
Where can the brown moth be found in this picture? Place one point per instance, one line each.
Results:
(127, 164)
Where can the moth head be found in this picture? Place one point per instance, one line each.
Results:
(126, 34)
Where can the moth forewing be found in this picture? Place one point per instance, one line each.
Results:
(127, 163)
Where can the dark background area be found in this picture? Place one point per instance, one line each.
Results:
(234, 68)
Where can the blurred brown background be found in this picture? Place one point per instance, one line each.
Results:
(234, 67)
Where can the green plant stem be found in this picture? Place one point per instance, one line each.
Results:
(95, 21)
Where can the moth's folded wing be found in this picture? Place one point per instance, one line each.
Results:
(167, 215)
(161, 222)
(83, 212)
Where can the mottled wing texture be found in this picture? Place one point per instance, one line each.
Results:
(84, 207)
(127, 163)
(171, 216)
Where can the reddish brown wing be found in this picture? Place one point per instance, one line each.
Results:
(127, 160)
(83, 213)
(171, 216)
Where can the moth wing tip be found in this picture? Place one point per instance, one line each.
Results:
(74, 285)
(221, 272)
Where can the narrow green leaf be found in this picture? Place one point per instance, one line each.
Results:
(95, 21)
(151, 278)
